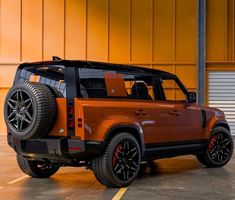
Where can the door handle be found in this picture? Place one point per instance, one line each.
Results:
(174, 112)
(140, 112)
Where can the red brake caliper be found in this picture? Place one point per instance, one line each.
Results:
(212, 142)
(116, 153)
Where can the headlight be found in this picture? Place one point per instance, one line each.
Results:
(219, 113)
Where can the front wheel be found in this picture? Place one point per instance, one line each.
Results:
(219, 149)
(120, 163)
(36, 169)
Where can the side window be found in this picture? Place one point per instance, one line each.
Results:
(41, 74)
(92, 83)
(97, 83)
(171, 90)
(143, 88)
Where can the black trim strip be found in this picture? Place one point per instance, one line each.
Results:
(167, 151)
(203, 119)
(71, 130)
(177, 143)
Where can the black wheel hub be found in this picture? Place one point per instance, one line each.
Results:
(125, 160)
(220, 147)
(20, 110)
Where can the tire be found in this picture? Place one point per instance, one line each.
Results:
(36, 169)
(30, 110)
(116, 168)
(219, 149)
(56, 93)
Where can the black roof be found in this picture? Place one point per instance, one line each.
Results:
(99, 65)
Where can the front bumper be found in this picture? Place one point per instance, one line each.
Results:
(61, 150)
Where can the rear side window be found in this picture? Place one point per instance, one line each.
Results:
(92, 83)
(52, 76)
(97, 83)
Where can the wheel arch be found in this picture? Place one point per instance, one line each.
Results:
(218, 124)
(131, 129)
(221, 124)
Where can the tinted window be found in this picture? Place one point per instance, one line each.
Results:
(96, 83)
(92, 83)
(49, 75)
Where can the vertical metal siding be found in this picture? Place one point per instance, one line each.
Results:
(221, 94)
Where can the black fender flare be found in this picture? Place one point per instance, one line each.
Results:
(221, 123)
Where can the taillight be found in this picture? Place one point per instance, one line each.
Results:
(79, 122)
(70, 116)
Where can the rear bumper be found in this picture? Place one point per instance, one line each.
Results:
(62, 150)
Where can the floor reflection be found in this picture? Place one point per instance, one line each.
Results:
(168, 166)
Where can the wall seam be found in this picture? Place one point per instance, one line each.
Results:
(21, 18)
(233, 33)
(64, 29)
(42, 29)
(0, 29)
(153, 34)
(226, 31)
(86, 30)
(130, 30)
(108, 30)
(174, 38)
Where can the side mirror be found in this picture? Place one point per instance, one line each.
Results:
(191, 97)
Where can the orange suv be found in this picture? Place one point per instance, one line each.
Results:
(109, 118)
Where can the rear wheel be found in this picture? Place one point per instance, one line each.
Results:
(219, 149)
(37, 169)
(120, 163)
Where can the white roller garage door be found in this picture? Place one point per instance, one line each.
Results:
(222, 94)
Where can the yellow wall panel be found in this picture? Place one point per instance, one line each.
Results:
(119, 31)
(216, 30)
(230, 29)
(75, 37)
(3, 93)
(53, 32)
(167, 68)
(164, 30)
(97, 40)
(7, 74)
(141, 30)
(186, 30)
(10, 30)
(31, 30)
(188, 75)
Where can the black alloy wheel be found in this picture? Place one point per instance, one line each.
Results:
(125, 160)
(119, 165)
(219, 147)
(218, 150)
(20, 110)
(29, 110)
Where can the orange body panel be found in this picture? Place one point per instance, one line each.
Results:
(60, 126)
(157, 121)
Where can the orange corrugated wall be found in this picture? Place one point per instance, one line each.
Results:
(152, 33)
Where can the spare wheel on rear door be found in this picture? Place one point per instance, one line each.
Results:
(29, 110)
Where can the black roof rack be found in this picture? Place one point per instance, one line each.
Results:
(99, 65)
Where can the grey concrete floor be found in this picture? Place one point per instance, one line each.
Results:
(176, 178)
